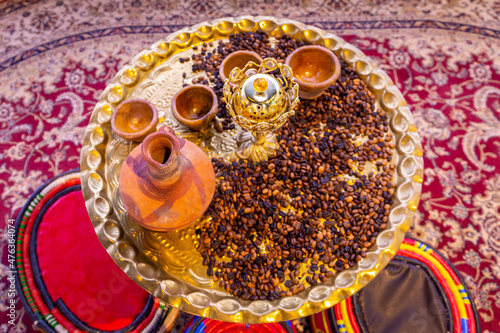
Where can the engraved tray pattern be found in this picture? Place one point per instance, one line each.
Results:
(167, 264)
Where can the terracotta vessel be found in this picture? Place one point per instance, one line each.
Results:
(237, 59)
(134, 119)
(315, 68)
(195, 106)
(166, 183)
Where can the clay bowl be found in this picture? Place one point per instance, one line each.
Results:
(134, 119)
(315, 68)
(195, 106)
(237, 59)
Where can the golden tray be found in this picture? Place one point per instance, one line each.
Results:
(167, 264)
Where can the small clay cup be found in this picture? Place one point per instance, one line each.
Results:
(195, 106)
(134, 119)
(237, 59)
(315, 68)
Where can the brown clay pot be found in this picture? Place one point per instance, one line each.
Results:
(195, 106)
(134, 119)
(315, 68)
(166, 183)
(237, 59)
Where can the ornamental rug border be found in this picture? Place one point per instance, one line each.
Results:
(10, 8)
(329, 26)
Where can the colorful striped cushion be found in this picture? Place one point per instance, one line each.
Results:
(419, 291)
(68, 281)
(205, 325)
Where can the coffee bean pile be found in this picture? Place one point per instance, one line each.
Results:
(314, 208)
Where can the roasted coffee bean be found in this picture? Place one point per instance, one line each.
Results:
(316, 206)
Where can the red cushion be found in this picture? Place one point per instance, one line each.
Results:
(77, 269)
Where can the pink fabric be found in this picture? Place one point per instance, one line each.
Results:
(77, 269)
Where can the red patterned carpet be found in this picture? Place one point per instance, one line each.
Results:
(56, 57)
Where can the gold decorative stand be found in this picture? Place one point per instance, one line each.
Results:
(167, 264)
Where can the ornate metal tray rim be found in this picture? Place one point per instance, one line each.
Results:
(210, 304)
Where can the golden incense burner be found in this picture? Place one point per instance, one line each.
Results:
(260, 103)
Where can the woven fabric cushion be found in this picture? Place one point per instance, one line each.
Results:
(66, 279)
(77, 269)
(206, 325)
(418, 291)
(402, 298)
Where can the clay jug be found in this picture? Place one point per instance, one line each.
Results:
(166, 183)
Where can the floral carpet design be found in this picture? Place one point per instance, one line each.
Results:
(56, 58)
